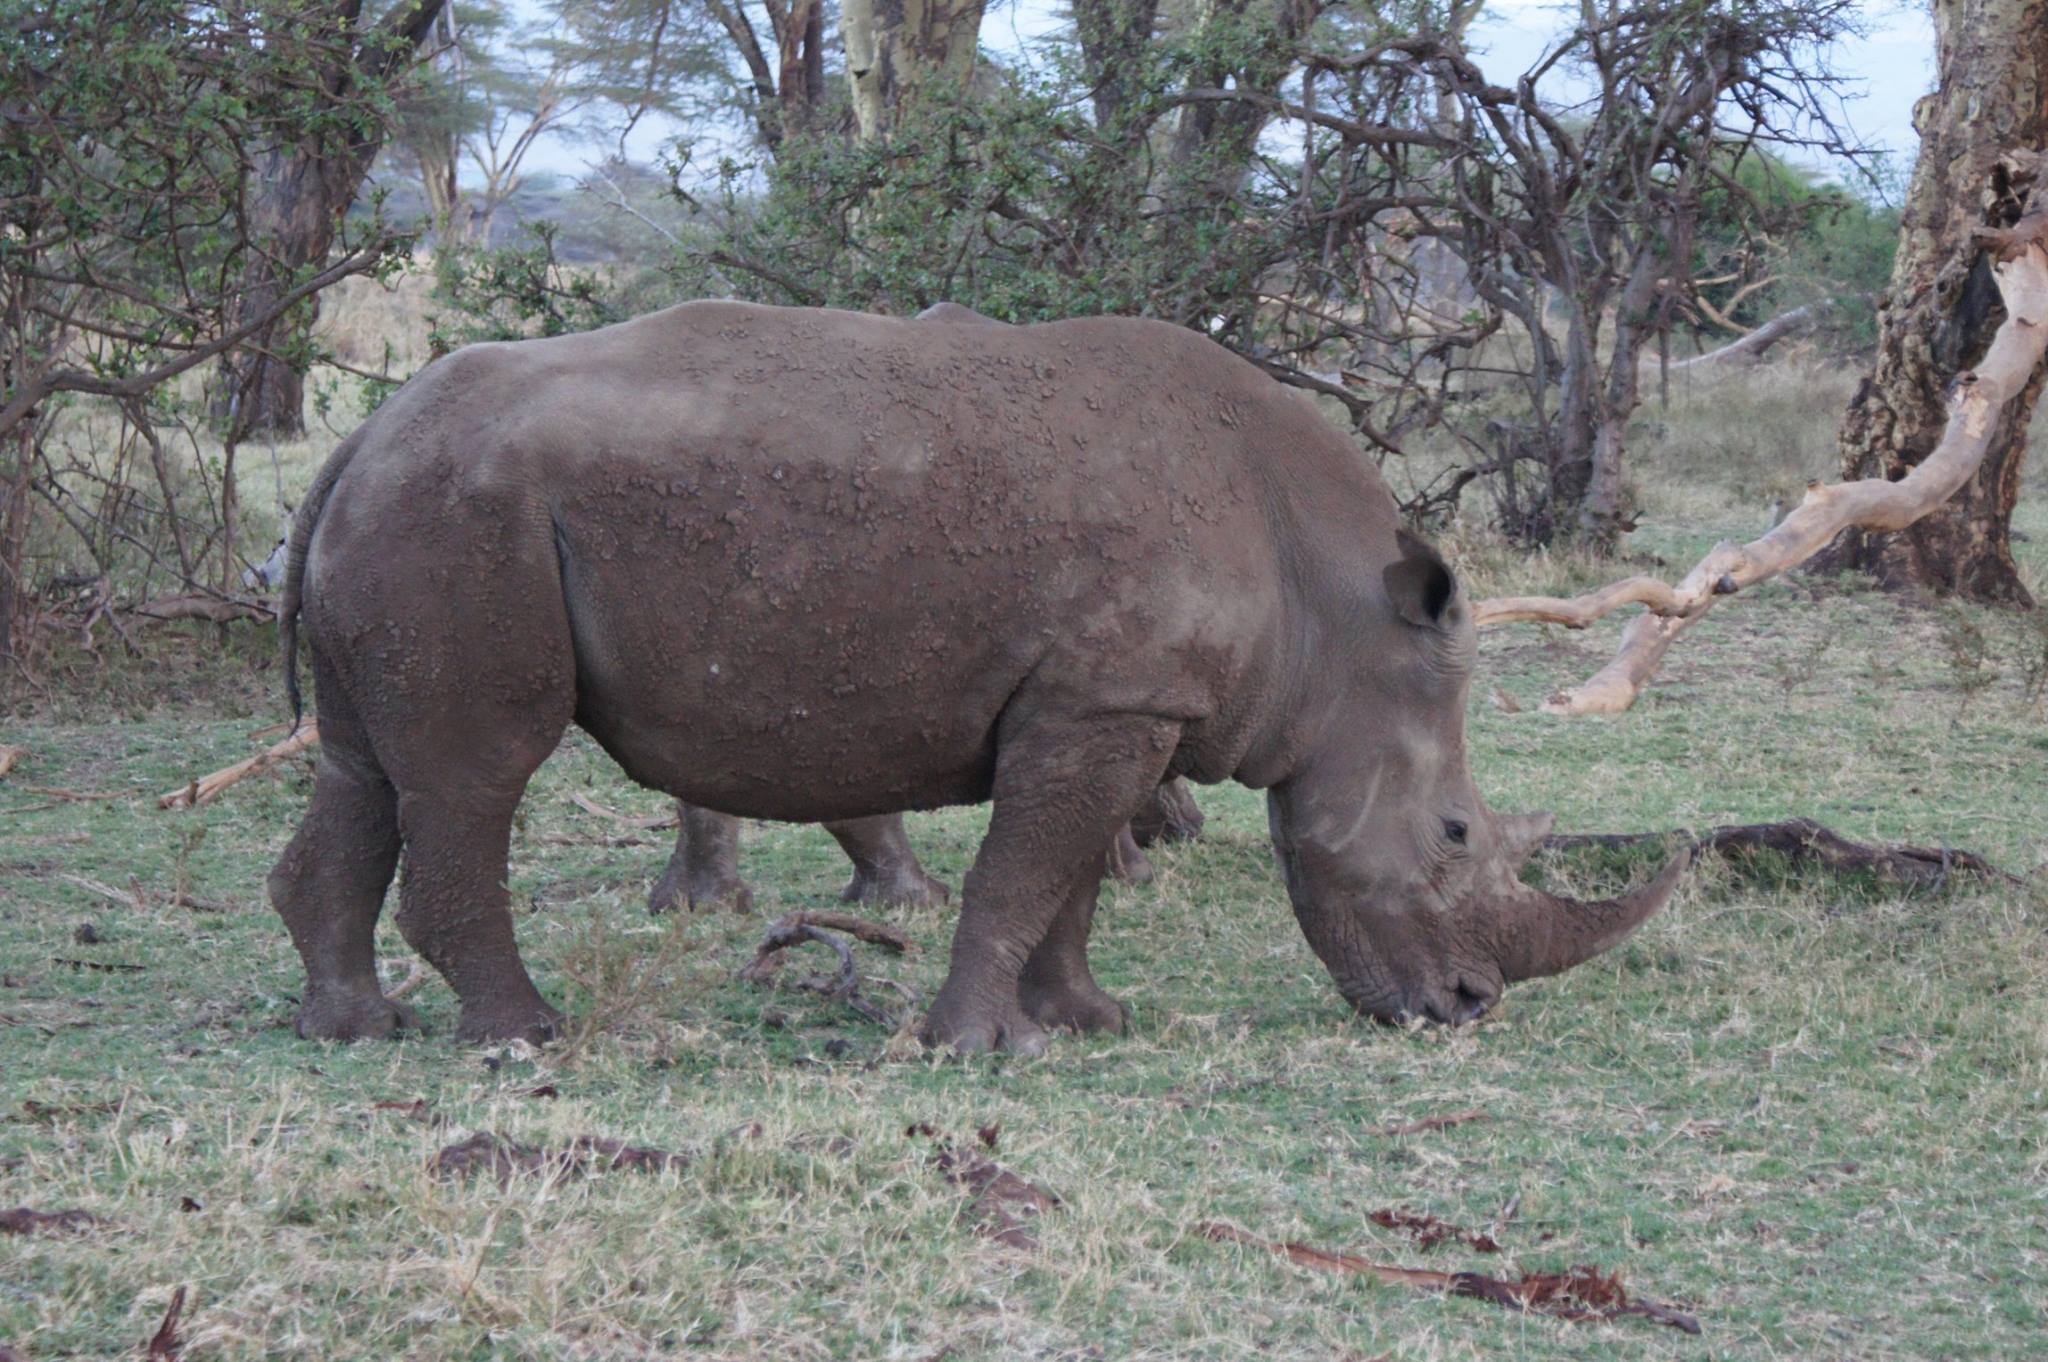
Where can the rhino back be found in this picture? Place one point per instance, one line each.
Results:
(811, 558)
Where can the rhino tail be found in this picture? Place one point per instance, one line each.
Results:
(301, 539)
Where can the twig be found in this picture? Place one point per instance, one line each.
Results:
(205, 789)
(650, 821)
(1456, 1118)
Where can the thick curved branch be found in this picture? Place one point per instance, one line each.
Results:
(1978, 399)
(1579, 611)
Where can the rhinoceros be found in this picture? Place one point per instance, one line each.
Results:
(812, 565)
(704, 869)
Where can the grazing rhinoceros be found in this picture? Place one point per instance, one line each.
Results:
(812, 565)
(704, 869)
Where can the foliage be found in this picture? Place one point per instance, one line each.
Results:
(126, 166)
(1774, 236)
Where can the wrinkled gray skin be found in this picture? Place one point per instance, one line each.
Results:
(704, 870)
(810, 566)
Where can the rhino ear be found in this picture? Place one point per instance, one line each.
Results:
(1419, 584)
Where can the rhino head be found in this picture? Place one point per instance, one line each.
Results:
(1407, 886)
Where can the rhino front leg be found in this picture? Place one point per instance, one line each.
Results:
(885, 869)
(1062, 790)
(704, 870)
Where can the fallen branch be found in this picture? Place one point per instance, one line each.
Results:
(1583, 1294)
(1751, 345)
(843, 985)
(167, 1344)
(650, 821)
(1802, 839)
(193, 606)
(125, 899)
(1444, 1122)
(207, 788)
(504, 1158)
(2021, 269)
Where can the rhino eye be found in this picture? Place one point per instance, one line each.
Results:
(1454, 830)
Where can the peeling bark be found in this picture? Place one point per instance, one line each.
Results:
(897, 48)
(1942, 308)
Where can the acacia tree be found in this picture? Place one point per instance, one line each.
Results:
(1582, 223)
(1942, 307)
(124, 181)
(305, 184)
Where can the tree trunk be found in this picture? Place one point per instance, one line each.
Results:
(306, 189)
(1941, 308)
(1114, 36)
(896, 48)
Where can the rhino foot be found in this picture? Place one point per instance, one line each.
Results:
(1082, 1007)
(972, 1030)
(700, 894)
(354, 1016)
(534, 1022)
(1125, 863)
(905, 886)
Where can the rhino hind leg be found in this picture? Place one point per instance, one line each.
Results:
(1062, 790)
(1124, 862)
(452, 907)
(886, 872)
(1056, 989)
(329, 885)
(704, 871)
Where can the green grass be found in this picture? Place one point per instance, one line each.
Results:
(1810, 1110)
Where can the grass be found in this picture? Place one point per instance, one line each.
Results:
(1811, 1111)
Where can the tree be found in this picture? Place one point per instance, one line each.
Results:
(1590, 219)
(303, 187)
(124, 185)
(1942, 308)
(898, 50)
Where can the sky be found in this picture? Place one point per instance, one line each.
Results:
(1885, 68)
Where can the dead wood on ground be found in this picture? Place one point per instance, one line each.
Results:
(167, 1344)
(1583, 1294)
(844, 984)
(22, 1220)
(1426, 1123)
(205, 789)
(1802, 839)
(504, 1158)
(648, 821)
(10, 757)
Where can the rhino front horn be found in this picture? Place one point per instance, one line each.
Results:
(1552, 933)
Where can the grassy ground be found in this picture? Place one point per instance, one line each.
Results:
(1812, 1111)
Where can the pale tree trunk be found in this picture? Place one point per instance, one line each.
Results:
(306, 187)
(897, 48)
(1942, 307)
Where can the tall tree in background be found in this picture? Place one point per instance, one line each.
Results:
(897, 49)
(303, 187)
(1942, 307)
